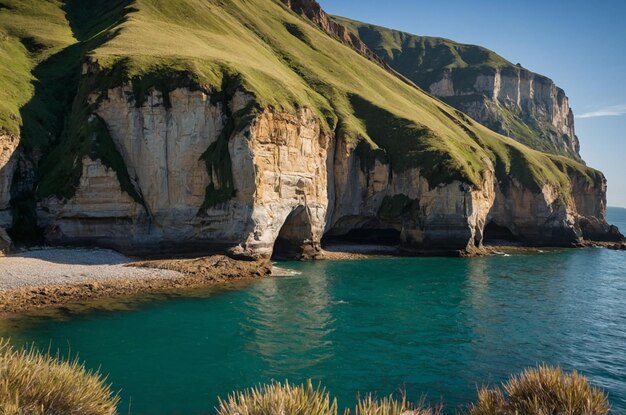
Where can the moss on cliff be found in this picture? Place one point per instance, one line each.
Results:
(258, 46)
(398, 207)
(409, 145)
(426, 60)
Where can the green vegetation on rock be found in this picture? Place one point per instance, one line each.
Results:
(426, 60)
(280, 59)
(398, 207)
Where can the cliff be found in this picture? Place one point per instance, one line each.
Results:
(8, 162)
(257, 133)
(504, 97)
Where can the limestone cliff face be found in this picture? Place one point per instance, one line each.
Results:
(279, 171)
(288, 183)
(505, 98)
(8, 166)
(459, 216)
(293, 182)
(590, 207)
(447, 217)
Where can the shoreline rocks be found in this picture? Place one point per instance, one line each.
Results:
(81, 275)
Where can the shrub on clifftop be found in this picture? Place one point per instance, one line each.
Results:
(36, 384)
(542, 391)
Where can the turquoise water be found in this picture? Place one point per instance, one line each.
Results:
(434, 326)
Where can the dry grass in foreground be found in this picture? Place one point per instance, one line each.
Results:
(32, 383)
(277, 398)
(542, 391)
(391, 406)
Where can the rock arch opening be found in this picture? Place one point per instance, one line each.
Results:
(496, 234)
(295, 238)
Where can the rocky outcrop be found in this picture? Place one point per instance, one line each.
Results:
(504, 97)
(373, 199)
(512, 101)
(288, 187)
(294, 183)
(8, 165)
(590, 206)
(279, 171)
(535, 217)
(313, 11)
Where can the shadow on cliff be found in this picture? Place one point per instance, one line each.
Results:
(44, 116)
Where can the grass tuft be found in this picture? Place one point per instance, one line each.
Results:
(278, 398)
(542, 391)
(37, 384)
(392, 406)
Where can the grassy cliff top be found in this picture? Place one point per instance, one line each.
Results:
(283, 60)
(450, 54)
(426, 60)
(30, 32)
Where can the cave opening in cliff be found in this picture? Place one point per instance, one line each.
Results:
(496, 234)
(370, 232)
(295, 236)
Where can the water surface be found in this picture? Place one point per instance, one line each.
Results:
(434, 326)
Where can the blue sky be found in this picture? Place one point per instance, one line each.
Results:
(581, 45)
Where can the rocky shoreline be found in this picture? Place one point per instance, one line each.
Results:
(88, 279)
(45, 279)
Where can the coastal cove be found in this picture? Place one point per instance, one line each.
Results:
(433, 326)
(282, 207)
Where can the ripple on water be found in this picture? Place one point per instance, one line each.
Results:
(434, 326)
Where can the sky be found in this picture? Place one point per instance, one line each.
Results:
(581, 45)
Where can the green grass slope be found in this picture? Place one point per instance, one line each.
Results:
(424, 60)
(421, 58)
(259, 46)
(31, 31)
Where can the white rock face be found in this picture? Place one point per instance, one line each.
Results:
(99, 211)
(290, 191)
(278, 162)
(8, 165)
(449, 216)
(540, 217)
(162, 149)
(520, 91)
(293, 183)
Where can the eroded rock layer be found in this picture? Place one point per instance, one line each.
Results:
(504, 97)
(8, 165)
(514, 102)
(294, 183)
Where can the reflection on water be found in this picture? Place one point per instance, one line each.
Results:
(281, 329)
(434, 326)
